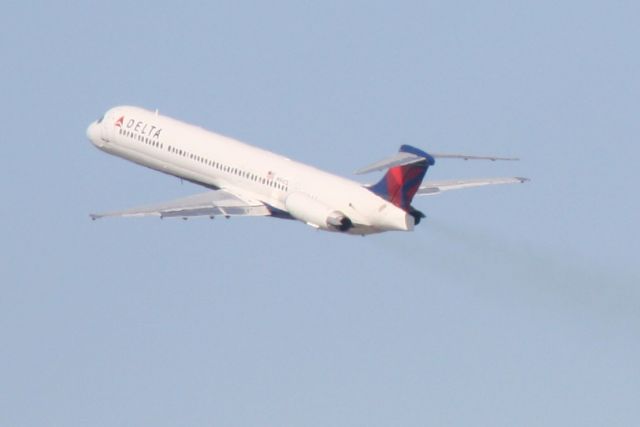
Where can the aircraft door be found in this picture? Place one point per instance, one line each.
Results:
(105, 128)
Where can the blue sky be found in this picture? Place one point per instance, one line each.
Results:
(514, 305)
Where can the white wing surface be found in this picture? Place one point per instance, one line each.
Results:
(435, 187)
(211, 203)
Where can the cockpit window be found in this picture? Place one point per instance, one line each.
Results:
(100, 119)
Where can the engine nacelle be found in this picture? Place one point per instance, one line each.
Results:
(305, 208)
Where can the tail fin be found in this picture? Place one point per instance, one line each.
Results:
(401, 183)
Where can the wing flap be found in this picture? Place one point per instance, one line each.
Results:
(435, 187)
(211, 203)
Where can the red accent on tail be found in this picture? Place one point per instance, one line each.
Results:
(401, 183)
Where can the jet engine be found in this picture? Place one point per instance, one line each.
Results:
(305, 208)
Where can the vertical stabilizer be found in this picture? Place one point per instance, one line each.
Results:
(401, 183)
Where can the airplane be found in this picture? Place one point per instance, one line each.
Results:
(243, 180)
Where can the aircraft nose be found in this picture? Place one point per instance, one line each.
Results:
(93, 133)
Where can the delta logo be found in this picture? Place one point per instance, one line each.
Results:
(139, 127)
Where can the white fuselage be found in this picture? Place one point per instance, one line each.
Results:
(215, 161)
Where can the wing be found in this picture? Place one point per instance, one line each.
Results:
(435, 187)
(211, 203)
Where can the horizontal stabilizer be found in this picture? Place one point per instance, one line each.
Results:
(466, 157)
(399, 159)
(411, 155)
(435, 187)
